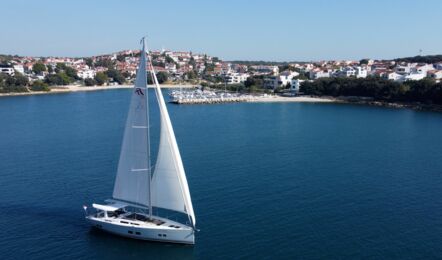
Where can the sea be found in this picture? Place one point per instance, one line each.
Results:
(267, 180)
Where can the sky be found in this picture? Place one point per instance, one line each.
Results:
(271, 30)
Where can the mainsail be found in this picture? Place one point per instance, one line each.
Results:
(132, 183)
(169, 184)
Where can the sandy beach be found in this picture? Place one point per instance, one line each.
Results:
(77, 88)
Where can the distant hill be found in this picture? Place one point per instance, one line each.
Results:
(421, 59)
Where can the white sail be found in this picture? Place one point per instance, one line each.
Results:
(133, 179)
(169, 184)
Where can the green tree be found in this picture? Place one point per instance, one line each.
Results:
(60, 66)
(116, 76)
(39, 85)
(89, 62)
(169, 59)
(90, 82)
(59, 78)
(71, 72)
(363, 61)
(162, 77)
(38, 68)
(101, 78)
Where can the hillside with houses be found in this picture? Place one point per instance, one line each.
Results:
(180, 67)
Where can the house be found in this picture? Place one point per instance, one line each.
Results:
(19, 68)
(394, 76)
(295, 85)
(404, 69)
(319, 73)
(271, 82)
(283, 79)
(361, 72)
(286, 76)
(346, 72)
(266, 69)
(86, 74)
(423, 68)
(435, 74)
(235, 78)
(414, 76)
(7, 69)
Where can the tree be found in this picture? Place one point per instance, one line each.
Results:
(190, 75)
(59, 78)
(71, 72)
(162, 77)
(89, 62)
(38, 68)
(169, 59)
(192, 62)
(39, 85)
(16, 83)
(50, 69)
(101, 78)
(60, 66)
(90, 82)
(116, 76)
(363, 61)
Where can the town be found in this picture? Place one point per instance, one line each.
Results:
(24, 74)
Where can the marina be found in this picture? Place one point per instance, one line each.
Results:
(199, 96)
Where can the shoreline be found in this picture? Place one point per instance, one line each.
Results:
(80, 88)
(281, 99)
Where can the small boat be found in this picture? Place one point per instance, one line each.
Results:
(142, 191)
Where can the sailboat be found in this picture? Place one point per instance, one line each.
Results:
(140, 188)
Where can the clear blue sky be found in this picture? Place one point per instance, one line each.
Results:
(251, 30)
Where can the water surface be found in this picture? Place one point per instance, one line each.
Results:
(281, 180)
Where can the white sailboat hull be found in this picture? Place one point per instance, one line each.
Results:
(145, 231)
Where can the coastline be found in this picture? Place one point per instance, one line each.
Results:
(80, 88)
(281, 99)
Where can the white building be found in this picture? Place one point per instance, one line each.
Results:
(423, 69)
(414, 76)
(235, 78)
(283, 79)
(19, 68)
(286, 76)
(405, 69)
(394, 76)
(86, 74)
(295, 85)
(7, 69)
(435, 74)
(361, 72)
(316, 74)
(347, 72)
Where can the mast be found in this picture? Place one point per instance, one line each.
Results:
(149, 165)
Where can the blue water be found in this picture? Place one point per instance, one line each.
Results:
(291, 180)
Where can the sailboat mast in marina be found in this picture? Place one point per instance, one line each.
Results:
(141, 188)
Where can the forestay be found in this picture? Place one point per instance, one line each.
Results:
(169, 184)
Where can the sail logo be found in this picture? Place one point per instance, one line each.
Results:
(139, 92)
